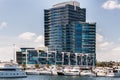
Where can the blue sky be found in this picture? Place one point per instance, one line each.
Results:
(22, 23)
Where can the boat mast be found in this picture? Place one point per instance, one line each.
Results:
(14, 53)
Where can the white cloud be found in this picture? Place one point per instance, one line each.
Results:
(116, 49)
(108, 55)
(111, 4)
(3, 25)
(106, 50)
(27, 36)
(6, 53)
(99, 38)
(40, 38)
(102, 43)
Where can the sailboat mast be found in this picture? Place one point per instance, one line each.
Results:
(14, 53)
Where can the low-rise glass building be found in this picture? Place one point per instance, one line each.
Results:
(33, 57)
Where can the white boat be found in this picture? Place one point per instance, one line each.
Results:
(10, 70)
(53, 69)
(71, 71)
(32, 72)
(100, 71)
(113, 73)
(45, 71)
(60, 71)
(87, 73)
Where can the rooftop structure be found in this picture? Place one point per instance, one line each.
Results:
(63, 4)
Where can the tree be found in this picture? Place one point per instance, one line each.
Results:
(37, 65)
(23, 66)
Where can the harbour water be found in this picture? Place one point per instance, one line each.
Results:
(46, 77)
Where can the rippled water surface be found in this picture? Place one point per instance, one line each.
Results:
(43, 77)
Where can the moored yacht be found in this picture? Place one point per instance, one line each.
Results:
(32, 71)
(45, 71)
(100, 71)
(87, 73)
(72, 71)
(10, 70)
(113, 72)
(53, 70)
(60, 71)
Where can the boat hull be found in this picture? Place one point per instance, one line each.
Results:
(60, 73)
(113, 75)
(45, 73)
(71, 74)
(12, 74)
(101, 74)
(87, 74)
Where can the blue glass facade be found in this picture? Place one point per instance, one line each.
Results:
(55, 40)
(84, 37)
(42, 58)
(51, 58)
(56, 26)
(24, 55)
(77, 37)
(85, 41)
(32, 57)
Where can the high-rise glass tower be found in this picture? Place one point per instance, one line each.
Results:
(57, 20)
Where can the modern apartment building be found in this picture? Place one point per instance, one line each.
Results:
(31, 57)
(56, 20)
(66, 29)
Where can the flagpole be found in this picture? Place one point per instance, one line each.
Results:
(14, 52)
